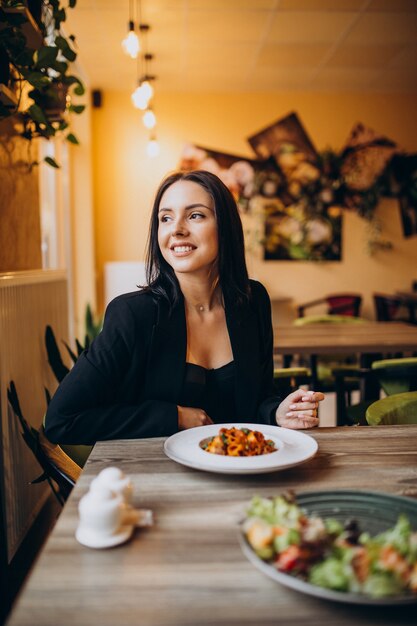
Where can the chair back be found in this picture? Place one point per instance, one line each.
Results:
(348, 304)
(400, 408)
(396, 375)
(344, 304)
(390, 308)
(288, 379)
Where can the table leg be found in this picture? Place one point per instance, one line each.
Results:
(313, 368)
(369, 386)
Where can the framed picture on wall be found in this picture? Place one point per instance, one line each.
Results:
(244, 177)
(283, 136)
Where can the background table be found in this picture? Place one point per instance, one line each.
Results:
(345, 338)
(188, 570)
(370, 340)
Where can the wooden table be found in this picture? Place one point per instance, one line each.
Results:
(370, 340)
(372, 337)
(188, 570)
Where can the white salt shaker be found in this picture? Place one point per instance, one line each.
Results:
(117, 481)
(102, 511)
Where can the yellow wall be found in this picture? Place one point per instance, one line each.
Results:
(125, 179)
(82, 226)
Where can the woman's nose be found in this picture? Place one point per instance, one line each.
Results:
(180, 227)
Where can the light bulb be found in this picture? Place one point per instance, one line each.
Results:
(149, 119)
(131, 44)
(152, 148)
(147, 89)
(139, 99)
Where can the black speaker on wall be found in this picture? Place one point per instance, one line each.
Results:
(97, 97)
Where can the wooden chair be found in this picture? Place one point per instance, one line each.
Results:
(59, 470)
(393, 309)
(393, 376)
(337, 304)
(400, 408)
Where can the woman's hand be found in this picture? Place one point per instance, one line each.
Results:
(189, 417)
(299, 409)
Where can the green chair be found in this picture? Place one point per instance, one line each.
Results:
(392, 376)
(328, 319)
(400, 408)
(288, 379)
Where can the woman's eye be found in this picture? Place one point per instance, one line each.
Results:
(165, 218)
(194, 216)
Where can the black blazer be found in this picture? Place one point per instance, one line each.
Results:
(128, 383)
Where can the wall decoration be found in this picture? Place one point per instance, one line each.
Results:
(244, 177)
(301, 193)
(284, 134)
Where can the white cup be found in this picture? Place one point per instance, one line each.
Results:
(117, 481)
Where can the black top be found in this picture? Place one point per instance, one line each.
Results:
(211, 390)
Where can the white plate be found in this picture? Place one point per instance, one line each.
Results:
(293, 446)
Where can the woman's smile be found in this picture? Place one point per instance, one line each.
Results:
(182, 249)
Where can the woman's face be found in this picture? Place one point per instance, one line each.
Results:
(187, 231)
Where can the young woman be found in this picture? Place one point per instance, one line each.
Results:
(192, 348)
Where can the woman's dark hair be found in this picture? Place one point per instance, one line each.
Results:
(233, 274)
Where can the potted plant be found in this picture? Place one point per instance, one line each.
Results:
(37, 57)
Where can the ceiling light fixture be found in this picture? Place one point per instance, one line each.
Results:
(149, 118)
(131, 43)
(152, 148)
(144, 91)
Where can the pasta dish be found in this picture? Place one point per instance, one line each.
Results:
(238, 442)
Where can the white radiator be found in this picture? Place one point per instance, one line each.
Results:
(29, 301)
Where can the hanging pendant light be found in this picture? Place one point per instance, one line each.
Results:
(144, 91)
(139, 98)
(131, 43)
(147, 88)
(152, 147)
(149, 119)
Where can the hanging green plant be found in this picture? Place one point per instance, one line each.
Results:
(36, 84)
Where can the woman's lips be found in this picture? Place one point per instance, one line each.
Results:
(182, 250)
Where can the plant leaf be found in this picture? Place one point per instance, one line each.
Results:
(80, 348)
(39, 479)
(63, 45)
(50, 161)
(37, 114)
(46, 56)
(77, 108)
(72, 139)
(79, 90)
(37, 79)
(54, 356)
(72, 354)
